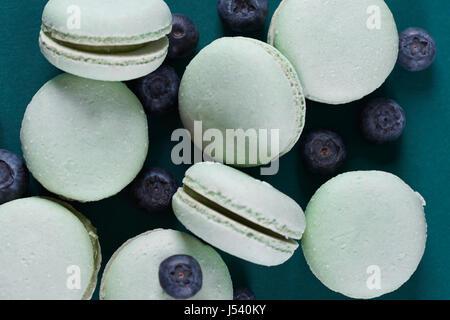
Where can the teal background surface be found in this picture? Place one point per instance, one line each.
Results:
(420, 157)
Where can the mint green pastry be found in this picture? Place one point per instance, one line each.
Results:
(342, 49)
(238, 214)
(132, 272)
(84, 139)
(365, 234)
(242, 83)
(48, 251)
(106, 40)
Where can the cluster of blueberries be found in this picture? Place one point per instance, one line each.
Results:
(382, 120)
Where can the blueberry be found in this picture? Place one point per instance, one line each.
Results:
(417, 49)
(153, 189)
(180, 276)
(323, 151)
(14, 176)
(382, 121)
(184, 37)
(243, 294)
(243, 16)
(158, 91)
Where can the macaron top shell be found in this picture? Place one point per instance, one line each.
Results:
(251, 199)
(84, 139)
(364, 228)
(107, 22)
(342, 49)
(44, 243)
(132, 272)
(242, 83)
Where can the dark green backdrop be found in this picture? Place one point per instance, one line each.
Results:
(420, 157)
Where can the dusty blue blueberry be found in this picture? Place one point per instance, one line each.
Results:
(243, 294)
(243, 16)
(153, 189)
(158, 91)
(14, 176)
(323, 151)
(180, 276)
(382, 120)
(184, 37)
(417, 49)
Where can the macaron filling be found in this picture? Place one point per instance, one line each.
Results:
(230, 203)
(99, 49)
(232, 215)
(185, 203)
(122, 55)
(106, 41)
(90, 43)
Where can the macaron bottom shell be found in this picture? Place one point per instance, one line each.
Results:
(267, 105)
(105, 63)
(46, 246)
(342, 50)
(366, 233)
(132, 272)
(84, 139)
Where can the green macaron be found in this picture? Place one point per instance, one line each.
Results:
(238, 214)
(342, 49)
(365, 234)
(106, 40)
(132, 272)
(48, 251)
(84, 139)
(241, 83)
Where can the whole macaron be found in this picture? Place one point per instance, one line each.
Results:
(106, 40)
(84, 139)
(136, 270)
(49, 251)
(242, 84)
(238, 214)
(365, 234)
(342, 49)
